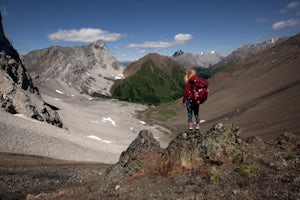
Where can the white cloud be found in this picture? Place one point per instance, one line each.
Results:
(290, 6)
(86, 35)
(179, 39)
(284, 24)
(151, 45)
(182, 38)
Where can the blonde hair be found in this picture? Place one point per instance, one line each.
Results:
(188, 74)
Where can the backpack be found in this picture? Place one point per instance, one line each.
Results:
(199, 90)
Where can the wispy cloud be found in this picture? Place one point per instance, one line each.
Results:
(285, 24)
(179, 39)
(290, 6)
(3, 11)
(86, 35)
(260, 20)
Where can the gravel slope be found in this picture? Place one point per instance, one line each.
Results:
(95, 130)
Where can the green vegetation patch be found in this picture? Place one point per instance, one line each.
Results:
(150, 85)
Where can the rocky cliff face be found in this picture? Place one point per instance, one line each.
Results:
(88, 69)
(18, 94)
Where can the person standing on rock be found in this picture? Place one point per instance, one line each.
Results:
(191, 105)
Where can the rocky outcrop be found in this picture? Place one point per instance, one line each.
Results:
(144, 157)
(18, 94)
(131, 162)
(216, 164)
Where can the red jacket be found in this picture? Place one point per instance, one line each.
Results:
(188, 85)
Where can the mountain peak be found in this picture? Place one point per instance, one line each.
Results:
(178, 53)
(99, 44)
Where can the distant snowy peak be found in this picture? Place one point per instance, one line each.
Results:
(178, 53)
(200, 59)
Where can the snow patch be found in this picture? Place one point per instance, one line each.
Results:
(142, 122)
(99, 139)
(105, 119)
(88, 74)
(118, 76)
(59, 92)
(202, 121)
(57, 99)
(25, 117)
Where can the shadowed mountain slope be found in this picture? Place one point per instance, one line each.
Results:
(261, 94)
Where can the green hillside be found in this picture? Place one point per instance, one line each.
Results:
(151, 84)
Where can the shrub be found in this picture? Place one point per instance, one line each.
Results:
(213, 175)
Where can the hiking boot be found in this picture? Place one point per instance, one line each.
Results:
(190, 131)
(197, 131)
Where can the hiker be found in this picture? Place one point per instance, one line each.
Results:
(191, 105)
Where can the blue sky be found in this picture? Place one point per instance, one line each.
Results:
(133, 28)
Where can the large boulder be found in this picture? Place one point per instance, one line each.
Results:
(131, 162)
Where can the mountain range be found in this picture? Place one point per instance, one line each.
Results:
(216, 62)
(201, 59)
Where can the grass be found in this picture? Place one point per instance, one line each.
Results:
(213, 175)
(247, 170)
